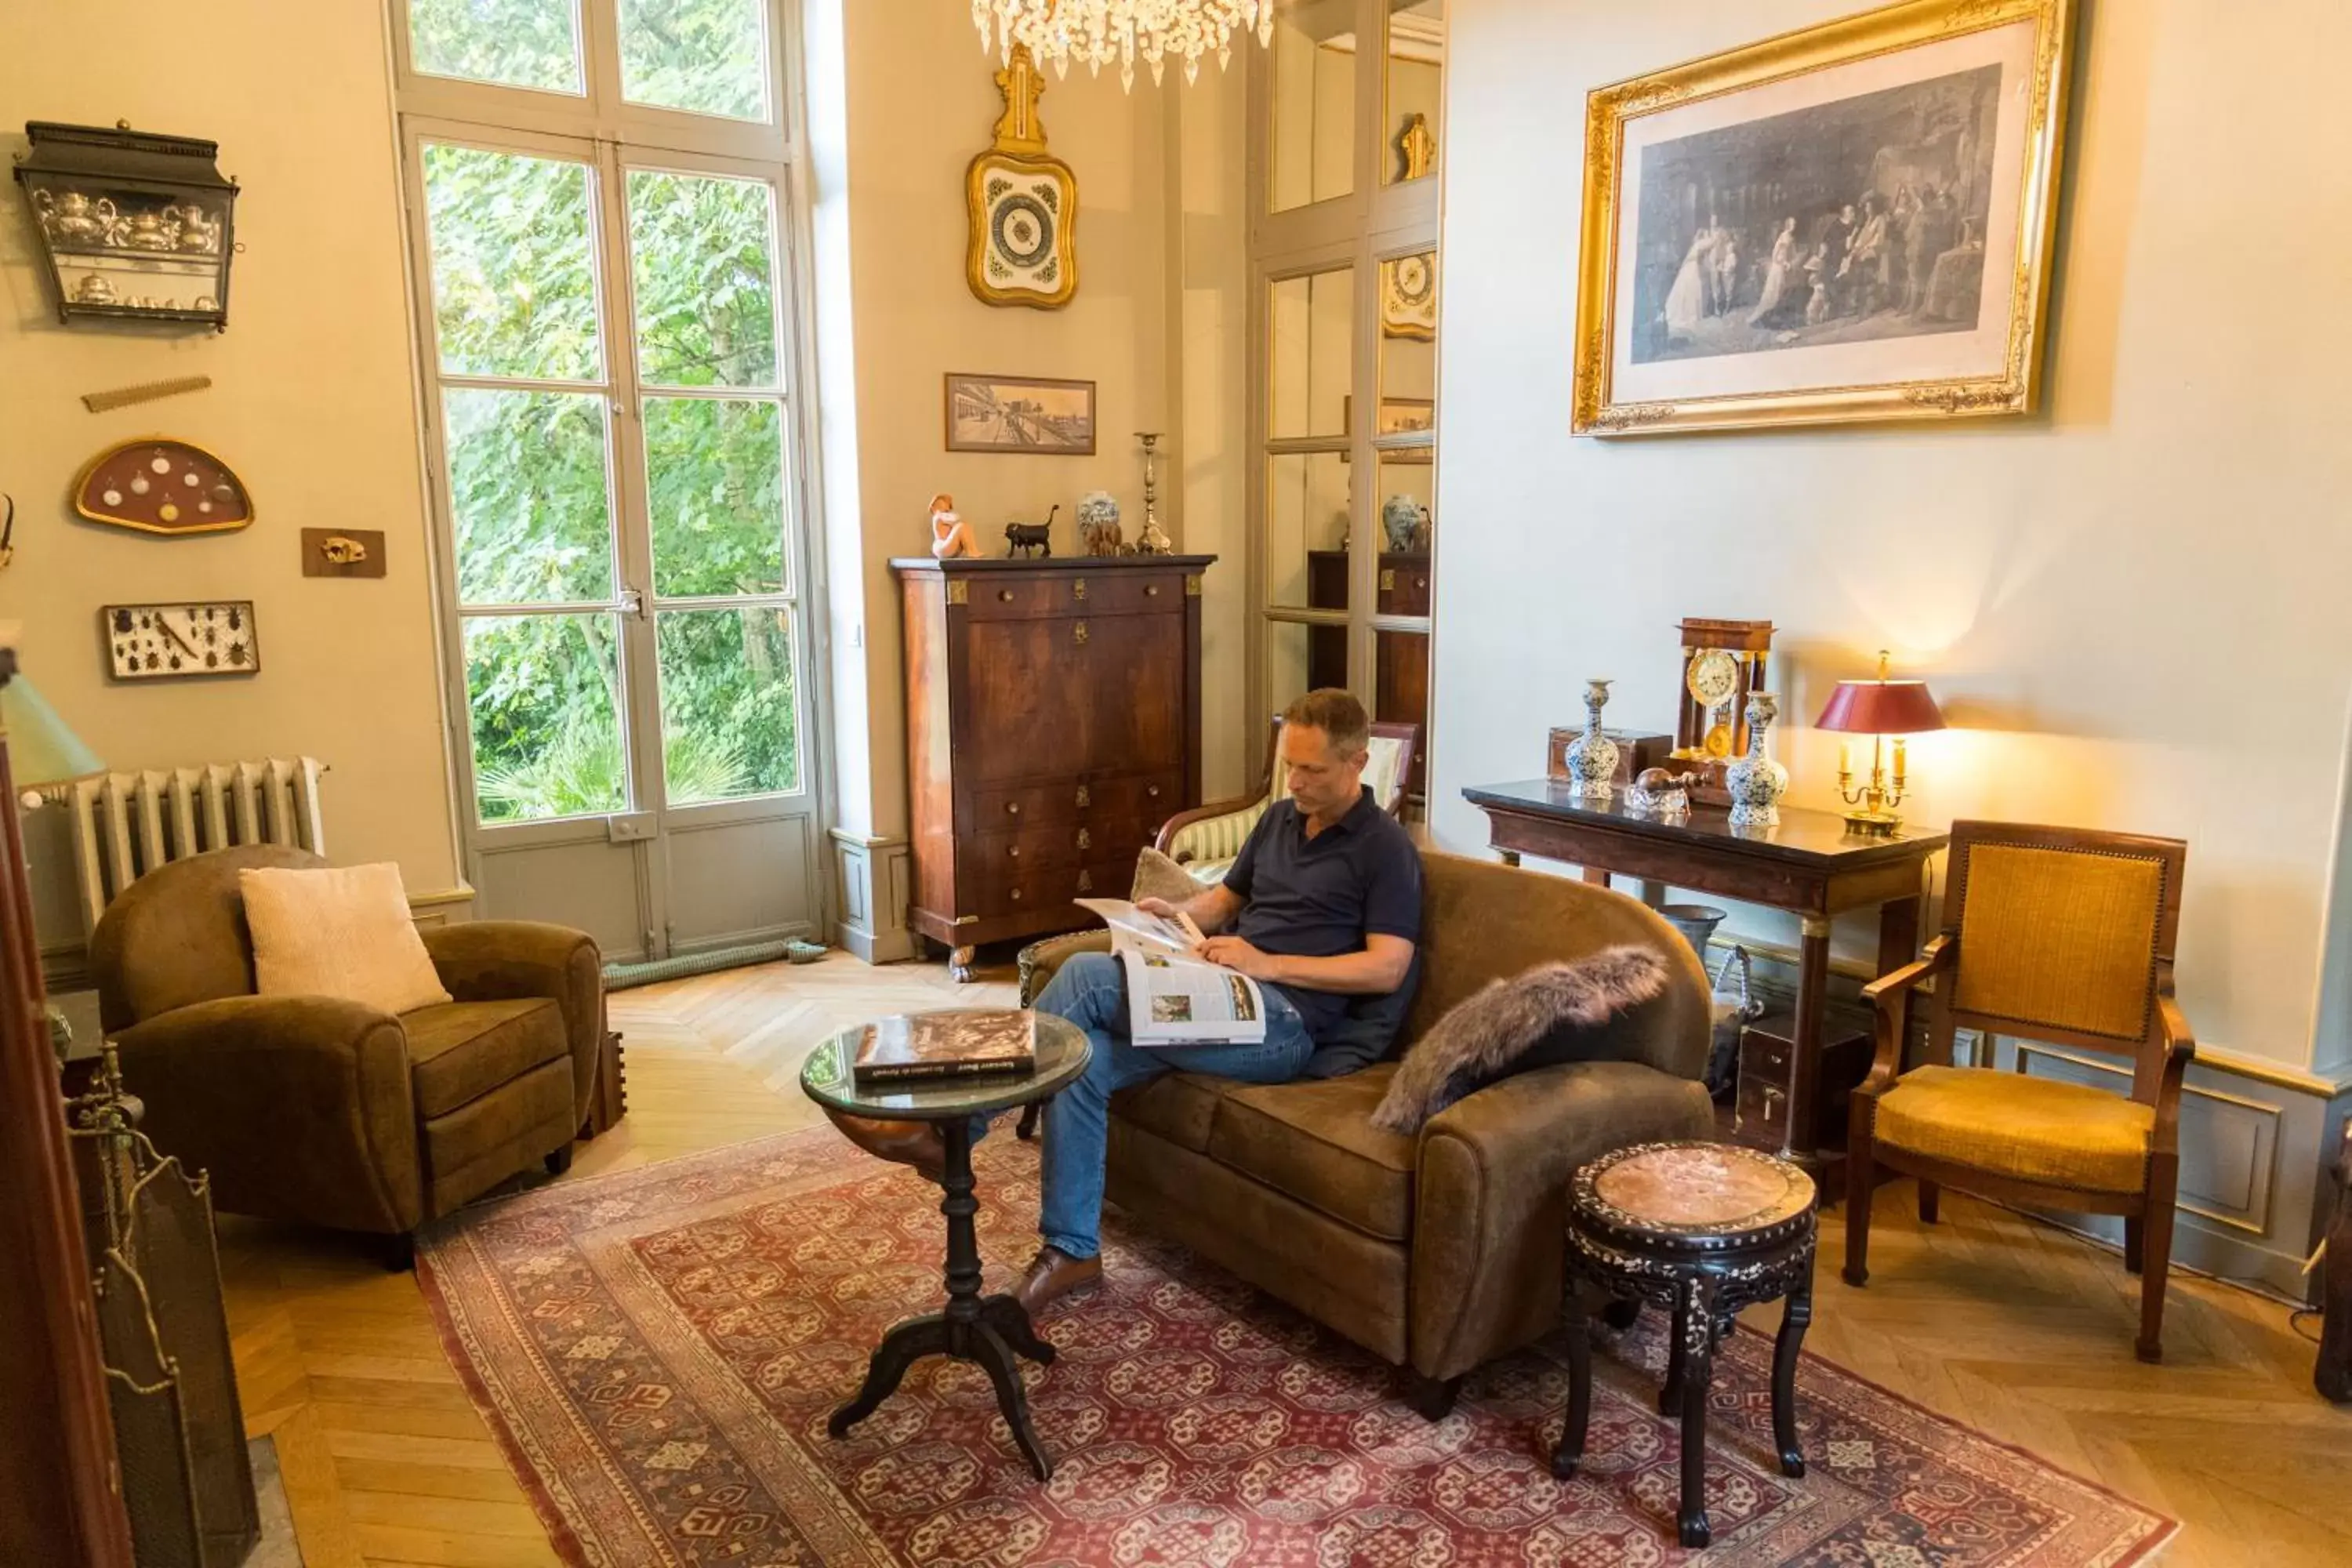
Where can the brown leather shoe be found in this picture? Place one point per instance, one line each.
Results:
(1054, 1274)
(916, 1143)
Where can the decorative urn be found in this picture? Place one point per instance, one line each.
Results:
(1755, 783)
(1591, 757)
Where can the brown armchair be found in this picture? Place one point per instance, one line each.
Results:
(2059, 935)
(326, 1112)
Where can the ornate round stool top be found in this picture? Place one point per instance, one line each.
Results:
(1707, 1229)
(1694, 1197)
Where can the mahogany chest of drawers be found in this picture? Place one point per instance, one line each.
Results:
(1053, 724)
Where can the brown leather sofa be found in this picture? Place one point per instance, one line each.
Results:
(326, 1112)
(1442, 1250)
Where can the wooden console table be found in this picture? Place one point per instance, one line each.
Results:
(1809, 865)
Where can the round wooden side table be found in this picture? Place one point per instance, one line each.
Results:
(1705, 1230)
(989, 1331)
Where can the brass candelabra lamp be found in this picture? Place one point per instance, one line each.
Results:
(1885, 710)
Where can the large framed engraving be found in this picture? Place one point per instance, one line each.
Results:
(1851, 222)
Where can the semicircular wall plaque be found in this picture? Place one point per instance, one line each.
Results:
(161, 486)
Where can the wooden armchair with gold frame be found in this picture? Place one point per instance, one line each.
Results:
(2052, 934)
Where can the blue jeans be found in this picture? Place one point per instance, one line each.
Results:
(1090, 991)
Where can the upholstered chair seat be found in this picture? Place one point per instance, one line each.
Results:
(2031, 1128)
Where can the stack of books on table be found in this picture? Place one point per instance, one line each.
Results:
(916, 1048)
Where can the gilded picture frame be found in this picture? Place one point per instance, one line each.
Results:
(1851, 222)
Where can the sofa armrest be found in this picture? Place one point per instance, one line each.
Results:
(1490, 1200)
(1041, 961)
(493, 960)
(298, 1106)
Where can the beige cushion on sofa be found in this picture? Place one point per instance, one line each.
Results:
(341, 932)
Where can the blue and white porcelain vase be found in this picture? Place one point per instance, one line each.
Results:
(1591, 757)
(1755, 783)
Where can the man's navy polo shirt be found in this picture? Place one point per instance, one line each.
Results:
(1321, 897)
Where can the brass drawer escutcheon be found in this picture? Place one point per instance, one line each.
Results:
(1078, 631)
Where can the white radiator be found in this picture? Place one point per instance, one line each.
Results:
(126, 824)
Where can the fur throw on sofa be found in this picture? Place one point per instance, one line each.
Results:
(1491, 1034)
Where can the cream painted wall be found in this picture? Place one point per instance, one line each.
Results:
(2131, 605)
(312, 403)
(920, 100)
(1209, 249)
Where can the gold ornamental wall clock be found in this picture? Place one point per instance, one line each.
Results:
(1023, 204)
(1408, 296)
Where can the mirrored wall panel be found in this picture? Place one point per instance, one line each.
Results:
(1307, 511)
(1412, 90)
(1310, 355)
(1312, 140)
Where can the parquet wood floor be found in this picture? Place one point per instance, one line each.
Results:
(2022, 1332)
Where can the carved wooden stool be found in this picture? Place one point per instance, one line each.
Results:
(2333, 1374)
(1707, 1230)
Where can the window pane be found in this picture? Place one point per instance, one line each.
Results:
(529, 496)
(708, 57)
(514, 284)
(1311, 345)
(703, 256)
(513, 43)
(545, 693)
(1307, 514)
(729, 717)
(1415, 89)
(1314, 103)
(715, 477)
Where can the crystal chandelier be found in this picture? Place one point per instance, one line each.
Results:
(1097, 32)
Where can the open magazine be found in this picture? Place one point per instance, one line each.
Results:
(1172, 997)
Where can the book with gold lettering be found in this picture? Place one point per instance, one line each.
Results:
(956, 1042)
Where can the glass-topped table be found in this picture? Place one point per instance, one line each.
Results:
(991, 1331)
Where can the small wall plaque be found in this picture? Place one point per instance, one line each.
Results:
(342, 553)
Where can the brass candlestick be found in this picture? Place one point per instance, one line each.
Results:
(1879, 797)
(1153, 540)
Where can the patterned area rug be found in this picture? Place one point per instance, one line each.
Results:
(657, 1351)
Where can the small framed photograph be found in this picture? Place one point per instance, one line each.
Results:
(1028, 414)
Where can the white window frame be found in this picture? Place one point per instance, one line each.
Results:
(599, 129)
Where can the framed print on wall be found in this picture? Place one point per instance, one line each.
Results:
(1024, 413)
(1851, 222)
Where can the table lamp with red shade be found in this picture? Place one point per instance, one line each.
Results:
(1881, 709)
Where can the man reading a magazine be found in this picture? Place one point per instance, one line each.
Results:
(1322, 908)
